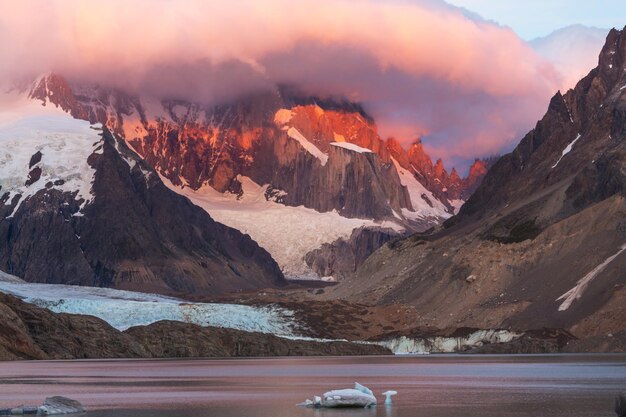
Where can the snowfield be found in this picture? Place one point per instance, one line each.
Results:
(125, 309)
(286, 232)
(65, 143)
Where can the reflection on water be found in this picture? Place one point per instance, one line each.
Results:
(435, 386)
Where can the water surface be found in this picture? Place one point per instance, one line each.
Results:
(429, 386)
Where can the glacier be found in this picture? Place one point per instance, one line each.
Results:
(125, 309)
(442, 344)
(286, 232)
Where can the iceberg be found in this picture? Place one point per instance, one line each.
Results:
(359, 396)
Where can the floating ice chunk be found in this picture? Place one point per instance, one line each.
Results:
(388, 395)
(362, 388)
(350, 397)
(306, 403)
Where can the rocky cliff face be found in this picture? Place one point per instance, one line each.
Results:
(281, 139)
(342, 257)
(541, 242)
(308, 153)
(121, 227)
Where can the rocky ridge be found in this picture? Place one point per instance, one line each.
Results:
(279, 138)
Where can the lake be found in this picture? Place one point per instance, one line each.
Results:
(429, 386)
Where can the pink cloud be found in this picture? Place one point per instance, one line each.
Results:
(421, 68)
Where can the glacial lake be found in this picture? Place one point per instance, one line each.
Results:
(429, 386)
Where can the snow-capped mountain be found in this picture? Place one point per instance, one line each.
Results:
(294, 172)
(77, 206)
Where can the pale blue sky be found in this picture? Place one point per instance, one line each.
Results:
(534, 18)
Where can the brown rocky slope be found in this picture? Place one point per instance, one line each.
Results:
(540, 242)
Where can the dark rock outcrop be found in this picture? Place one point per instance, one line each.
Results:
(135, 234)
(342, 257)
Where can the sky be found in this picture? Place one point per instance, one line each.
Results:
(537, 18)
(467, 85)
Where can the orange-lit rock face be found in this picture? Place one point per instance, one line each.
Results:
(286, 146)
(440, 171)
(322, 127)
(477, 170)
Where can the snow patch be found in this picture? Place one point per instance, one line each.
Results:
(456, 205)
(421, 209)
(351, 147)
(577, 292)
(567, 150)
(4, 277)
(308, 146)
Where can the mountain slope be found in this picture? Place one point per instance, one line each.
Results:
(540, 243)
(79, 207)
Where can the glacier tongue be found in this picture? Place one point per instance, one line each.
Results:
(286, 232)
(125, 309)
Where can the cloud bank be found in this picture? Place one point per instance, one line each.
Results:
(572, 50)
(421, 68)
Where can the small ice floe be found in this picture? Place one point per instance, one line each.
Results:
(60, 405)
(359, 396)
(51, 406)
(388, 395)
